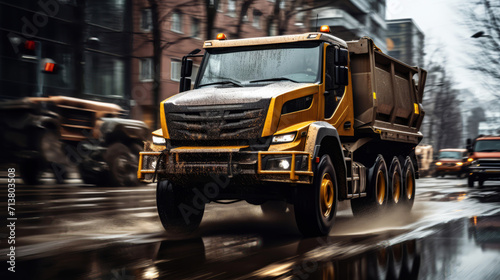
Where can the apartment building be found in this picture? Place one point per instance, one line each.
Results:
(183, 26)
(405, 41)
(353, 19)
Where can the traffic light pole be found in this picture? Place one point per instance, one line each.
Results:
(39, 76)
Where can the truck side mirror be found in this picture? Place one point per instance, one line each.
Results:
(468, 145)
(187, 68)
(185, 84)
(341, 76)
(341, 56)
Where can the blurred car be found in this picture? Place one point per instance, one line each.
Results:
(484, 158)
(452, 162)
(424, 155)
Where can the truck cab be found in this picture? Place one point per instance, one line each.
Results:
(484, 158)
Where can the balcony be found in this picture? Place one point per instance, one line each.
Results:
(336, 18)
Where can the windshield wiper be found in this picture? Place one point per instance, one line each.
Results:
(274, 79)
(222, 83)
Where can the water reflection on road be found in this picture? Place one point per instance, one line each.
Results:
(109, 233)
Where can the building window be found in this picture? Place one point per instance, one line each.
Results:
(195, 28)
(175, 70)
(146, 69)
(256, 18)
(146, 20)
(231, 8)
(299, 19)
(177, 22)
(273, 29)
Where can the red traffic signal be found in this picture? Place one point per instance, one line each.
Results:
(28, 49)
(49, 66)
(30, 45)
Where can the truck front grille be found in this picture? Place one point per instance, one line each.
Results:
(224, 122)
(487, 162)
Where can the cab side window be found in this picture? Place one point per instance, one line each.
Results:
(333, 92)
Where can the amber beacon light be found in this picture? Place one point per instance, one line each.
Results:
(221, 36)
(325, 29)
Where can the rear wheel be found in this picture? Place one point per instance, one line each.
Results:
(31, 170)
(377, 190)
(409, 183)
(395, 183)
(316, 204)
(179, 210)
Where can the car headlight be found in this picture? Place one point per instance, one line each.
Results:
(460, 163)
(439, 163)
(158, 140)
(284, 138)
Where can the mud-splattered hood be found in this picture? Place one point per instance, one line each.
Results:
(222, 95)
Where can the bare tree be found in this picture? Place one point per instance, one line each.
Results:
(161, 11)
(442, 109)
(484, 18)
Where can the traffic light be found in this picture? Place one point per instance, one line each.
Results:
(28, 49)
(49, 66)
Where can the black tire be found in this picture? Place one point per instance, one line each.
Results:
(31, 171)
(470, 182)
(179, 210)
(377, 190)
(395, 183)
(409, 184)
(480, 183)
(123, 164)
(316, 204)
(91, 176)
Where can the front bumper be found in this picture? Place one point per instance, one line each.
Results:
(192, 164)
(484, 173)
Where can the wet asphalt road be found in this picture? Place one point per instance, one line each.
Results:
(77, 231)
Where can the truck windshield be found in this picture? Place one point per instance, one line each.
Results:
(450, 154)
(487, 146)
(241, 66)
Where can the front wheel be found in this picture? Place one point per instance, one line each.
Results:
(31, 170)
(123, 163)
(179, 209)
(316, 204)
(470, 182)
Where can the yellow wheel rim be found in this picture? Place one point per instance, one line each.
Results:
(396, 186)
(381, 186)
(409, 184)
(327, 195)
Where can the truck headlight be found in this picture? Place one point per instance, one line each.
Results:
(284, 138)
(158, 140)
(284, 162)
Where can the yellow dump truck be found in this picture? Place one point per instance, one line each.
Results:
(306, 120)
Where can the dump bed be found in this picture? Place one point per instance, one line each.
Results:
(387, 93)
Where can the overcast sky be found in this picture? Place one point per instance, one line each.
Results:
(444, 26)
